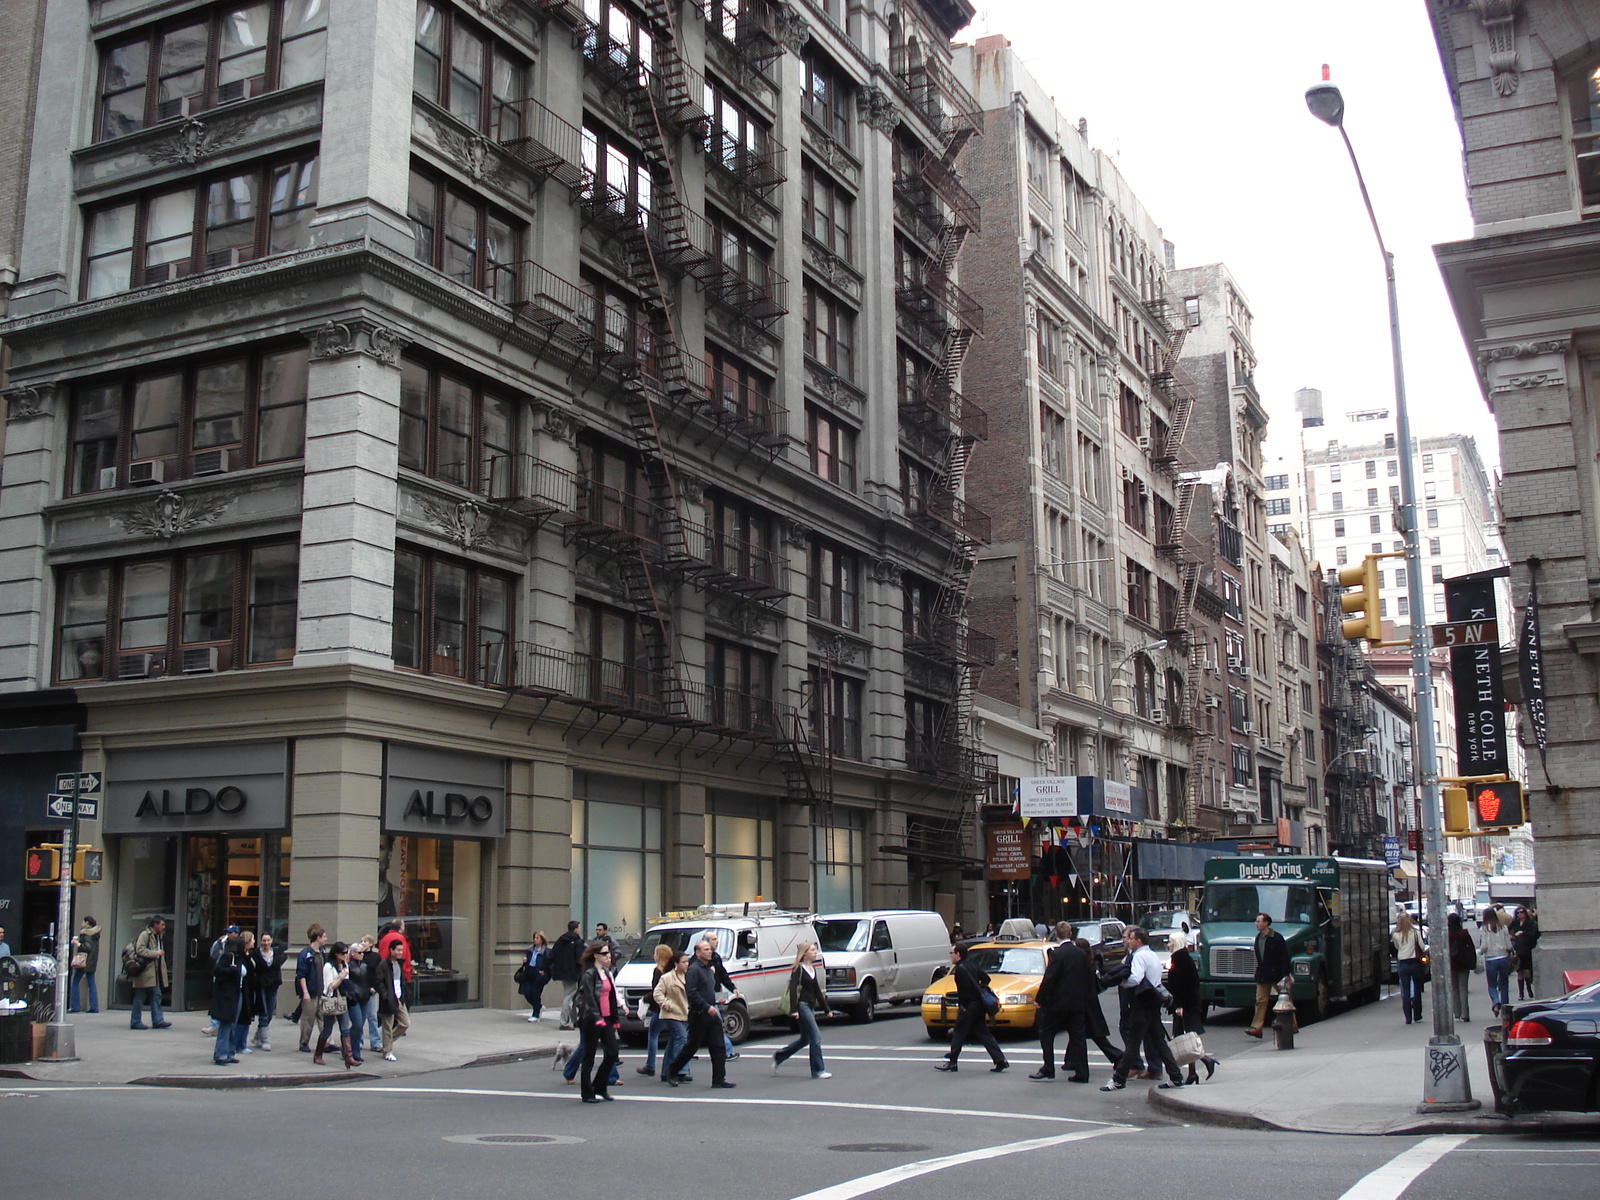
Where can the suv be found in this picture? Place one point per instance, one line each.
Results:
(1105, 942)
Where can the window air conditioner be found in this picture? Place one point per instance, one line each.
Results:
(1158, 715)
(200, 660)
(212, 462)
(1144, 443)
(135, 666)
(108, 478)
(1235, 664)
(179, 106)
(1250, 727)
(151, 470)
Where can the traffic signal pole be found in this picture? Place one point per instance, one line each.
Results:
(60, 1042)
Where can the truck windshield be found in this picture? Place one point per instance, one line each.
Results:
(849, 933)
(1294, 903)
(681, 939)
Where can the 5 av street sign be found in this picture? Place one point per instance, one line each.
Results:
(61, 806)
(1466, 633)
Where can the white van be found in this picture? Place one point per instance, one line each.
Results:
(757, 943)
(884, 955)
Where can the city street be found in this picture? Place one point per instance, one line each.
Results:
(885, 1125)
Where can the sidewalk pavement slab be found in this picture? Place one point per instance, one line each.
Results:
(1359, 1072)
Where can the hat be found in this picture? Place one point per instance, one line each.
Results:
(231, 929)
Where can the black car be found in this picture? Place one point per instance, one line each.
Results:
(1549, 1058)
(1105, 940)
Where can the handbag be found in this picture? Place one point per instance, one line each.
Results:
(80, 960)
(332, 1006)
(991, 1002)
(1187, 1048)
(520, 975)
(786, 1001)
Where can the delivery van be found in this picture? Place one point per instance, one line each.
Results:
(882, 956)
(757, 942)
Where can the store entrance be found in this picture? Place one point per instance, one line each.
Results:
(222, 887)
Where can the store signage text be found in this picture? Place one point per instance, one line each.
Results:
(197, 802)
(452, 808)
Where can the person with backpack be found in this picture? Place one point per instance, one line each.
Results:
(308, 982)
(973, 994)
(145, 964)
(805, 998)
(1463, 961)
(564, 967)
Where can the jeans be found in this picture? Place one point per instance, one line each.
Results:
(225, 1047)
(1410, 989)
(362, 1016)
(1459, 981)
(79, 975)
(327, 1025)
(810, 1035)
(652, 1035)
(677, 1035)
(146, 995)
(1499, 971)
(269, 1009)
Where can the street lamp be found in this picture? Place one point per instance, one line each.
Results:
(1445, 1084)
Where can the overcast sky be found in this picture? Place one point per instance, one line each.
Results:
(1202, 106)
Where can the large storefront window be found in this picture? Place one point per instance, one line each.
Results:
(616, 852)
(743, 864)
(435, 885)
(837, 852)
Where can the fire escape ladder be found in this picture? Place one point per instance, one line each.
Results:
(1196, 719)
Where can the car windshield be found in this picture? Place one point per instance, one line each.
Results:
(680, 939)
(849, 933)
(1093, 932)
(1007, 960)
(1158, 941)
(1294, 903)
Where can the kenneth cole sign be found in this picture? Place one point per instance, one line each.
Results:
(1475, 672)
(197, 789)
(443, 793)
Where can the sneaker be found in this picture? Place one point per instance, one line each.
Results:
(1113, 1086)
(532, 1017)
(265, 1047)
(731, 1057)
(389, 1058)
(776, 1062)
(822, 1074)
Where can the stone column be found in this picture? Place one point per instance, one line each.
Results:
(338, 818)
(30, 441)
(687, 865)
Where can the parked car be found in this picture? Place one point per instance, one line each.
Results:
(887, 955)
(1105, 942)
(1171, 918)
(1549, 1058)
(1014, 969)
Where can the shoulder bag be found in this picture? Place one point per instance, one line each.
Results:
(332, 1006)
(1187, 1048)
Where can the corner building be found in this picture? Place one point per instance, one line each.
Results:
(460, 466)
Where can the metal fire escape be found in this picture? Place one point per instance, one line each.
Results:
(1359, 824)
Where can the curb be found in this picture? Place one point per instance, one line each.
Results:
(204, 1082)
(511, 1056)
(1490, 1122)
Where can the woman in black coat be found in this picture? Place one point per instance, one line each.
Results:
(599, 1015)
(974, 1019)
(1094, 1017)
(1188, 1010)
(266, 964)
(229, 985)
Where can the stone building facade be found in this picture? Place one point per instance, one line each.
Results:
(1525, 81)
(485, 462)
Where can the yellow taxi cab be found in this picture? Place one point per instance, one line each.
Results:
(1014, 969)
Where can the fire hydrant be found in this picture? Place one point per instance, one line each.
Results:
(1284, 1022)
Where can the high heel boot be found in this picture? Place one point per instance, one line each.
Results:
(322, 1046)
(344, 1049)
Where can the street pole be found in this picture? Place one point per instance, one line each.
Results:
(60, 1040)
(1446, 1087)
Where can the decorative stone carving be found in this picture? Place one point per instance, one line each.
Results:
(796, 534)
(879, 111)
(743, 618)
(1525, 366)
(196, 139)
(335, 339)
(691, 488)
(887, 571)
(472, 152)
(793, 30)
(499, 10)
(556, 423)
(465, 523)
(837, 648)
(169, 514)
(27, 401)
(1489, 354)
(601, 575)
(1499, 18)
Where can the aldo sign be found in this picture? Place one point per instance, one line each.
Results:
(443, 793)
(197, 789)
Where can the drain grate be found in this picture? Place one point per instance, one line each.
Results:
(514, 1139)
(880, 1148)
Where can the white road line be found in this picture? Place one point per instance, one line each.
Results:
(1396, 1175)
(851, 1188)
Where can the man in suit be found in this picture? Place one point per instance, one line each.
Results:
(1065, 993)
(1272, 965)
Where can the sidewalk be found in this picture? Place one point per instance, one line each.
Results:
(1360, 1072)
(111, 1053)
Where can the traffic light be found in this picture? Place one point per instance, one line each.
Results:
(88, 865)
(1457, 816)
(1369, 624)
(42, 864)
(1498, 805)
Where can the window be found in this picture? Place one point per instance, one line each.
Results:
(1375, 523)
(830, 331)
(1399, 577)
(1402, 607)
(1383, 608)
(743, 255)
(1372, 469)
(1047, 345)
(1338, 501)
(835, 589)
(738, 387)
(617, 653)
(616, 850)
(619, 185)
(207, 418)
(234, 606)
(1433, 518)
(740, 849)
(1583, 96)
(1138, 591)
(463, 69)
(736, 140)
(228, 53)
(1135, 504)
(833, 711)
(925, 733)
(1372, 497)
(1305, 650)
(1130, 412)
(825, 95)
(831, 444)
(1434, 545)
(1276, 483)
(229, 219)
(1438, 573)
(1038, 162)
(1338, 527)
(1302, 602)
(1040, 243)
(450, 618)
(739, 685)
(1278, 507)
(612, 314)
(742, 539)
(1335, 473)
(1091, 481)
(1394, 495)
(1053, 441)
(837, 853)
(1191, 311)
(452, 428)
(1430, 490)
(826, 211)
(613, 489)
(1341, 556)
(617, 41)
(463, 236)
(1427, 462)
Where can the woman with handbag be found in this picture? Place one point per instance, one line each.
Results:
(974, 997)
(1188, 1010)
(333, 1005)
(803, 999)
(534, 974)
(84, 962)
(599, 1008)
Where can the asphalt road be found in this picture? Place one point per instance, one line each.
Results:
(886, 1126)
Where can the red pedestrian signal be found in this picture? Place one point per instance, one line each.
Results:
(42, 864)
(1498, 805)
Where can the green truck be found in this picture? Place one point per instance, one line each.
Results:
(1332, 912)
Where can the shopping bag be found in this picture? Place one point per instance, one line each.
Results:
(1186, 1049)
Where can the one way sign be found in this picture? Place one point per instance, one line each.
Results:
(61, 806)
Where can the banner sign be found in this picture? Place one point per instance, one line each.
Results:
(1479, 688)
(1007, 855)
(1530, 667)
(1081, 796)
